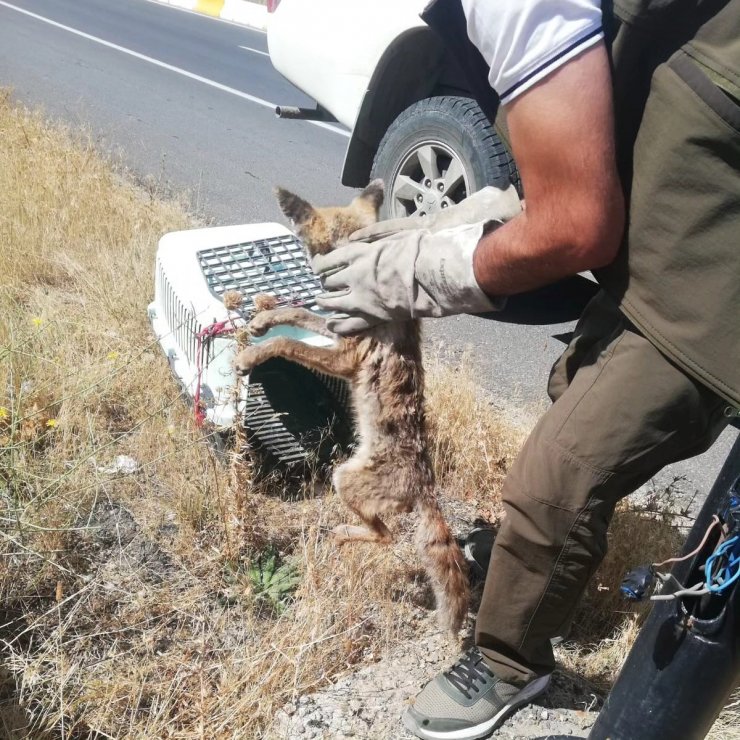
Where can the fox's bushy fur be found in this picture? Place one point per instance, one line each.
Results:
(390, 470)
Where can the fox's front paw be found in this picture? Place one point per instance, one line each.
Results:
(259, 325)
(246, 361)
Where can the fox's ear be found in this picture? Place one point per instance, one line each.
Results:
(294, 207)
(374, 193)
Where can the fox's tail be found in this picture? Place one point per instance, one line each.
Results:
(444, 563)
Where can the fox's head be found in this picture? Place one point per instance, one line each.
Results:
(323, 229)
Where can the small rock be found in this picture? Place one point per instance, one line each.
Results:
(544, 714)
(122, 465)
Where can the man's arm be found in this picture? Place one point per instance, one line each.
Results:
(561, 131)
(562, 136)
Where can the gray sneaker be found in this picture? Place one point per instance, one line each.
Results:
(467, 701)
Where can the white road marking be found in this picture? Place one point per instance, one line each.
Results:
(256, 51)
(163, 65)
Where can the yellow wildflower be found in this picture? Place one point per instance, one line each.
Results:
(3, 412)
(113, 355)
(37, 321)
(51, 423)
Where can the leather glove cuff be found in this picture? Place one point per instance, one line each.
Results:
(444, 274)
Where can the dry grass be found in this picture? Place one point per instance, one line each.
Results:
(471, 447)
(127, 603)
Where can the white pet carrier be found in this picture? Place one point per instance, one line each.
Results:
(287, 409)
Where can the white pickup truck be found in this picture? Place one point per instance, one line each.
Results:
(376, 67)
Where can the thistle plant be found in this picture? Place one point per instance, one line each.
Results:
(273, 582)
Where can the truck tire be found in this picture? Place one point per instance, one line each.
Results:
(436, 153)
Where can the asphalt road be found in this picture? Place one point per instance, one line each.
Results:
(188, 101)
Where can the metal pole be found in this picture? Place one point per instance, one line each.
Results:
(686, 659)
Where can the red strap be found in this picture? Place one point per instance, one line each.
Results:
(217, 329)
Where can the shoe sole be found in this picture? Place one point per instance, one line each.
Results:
(529, 692)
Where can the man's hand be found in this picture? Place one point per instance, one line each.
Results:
(409, 268)
(408, 275)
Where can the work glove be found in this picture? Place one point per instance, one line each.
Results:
(405, 272)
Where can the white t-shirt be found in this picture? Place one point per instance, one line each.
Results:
(525, 40)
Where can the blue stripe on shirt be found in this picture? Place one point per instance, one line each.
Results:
(550, 62)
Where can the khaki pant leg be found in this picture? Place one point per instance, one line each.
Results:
(600, 321)
(625, 413)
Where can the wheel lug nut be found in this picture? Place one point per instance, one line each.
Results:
(444, 204)
(427, 183)
(440, 187)
(422, 213)
(419, 198)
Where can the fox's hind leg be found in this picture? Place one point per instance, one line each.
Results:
(368, 492)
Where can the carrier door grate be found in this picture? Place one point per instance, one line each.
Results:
(277, 266)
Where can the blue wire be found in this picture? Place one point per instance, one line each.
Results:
(728, 577)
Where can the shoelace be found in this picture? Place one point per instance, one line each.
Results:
(470, 671)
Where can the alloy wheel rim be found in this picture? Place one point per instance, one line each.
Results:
(430, 178)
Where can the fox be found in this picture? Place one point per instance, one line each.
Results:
(390, 470)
